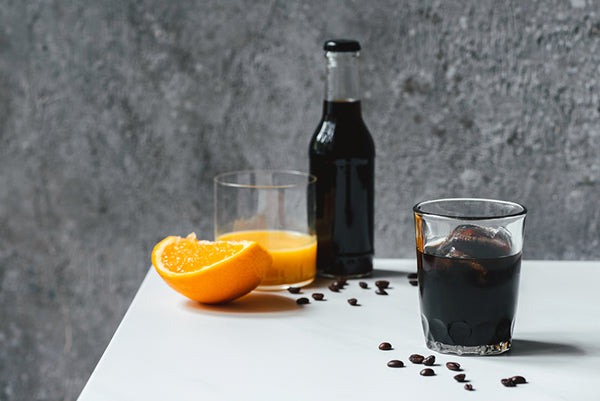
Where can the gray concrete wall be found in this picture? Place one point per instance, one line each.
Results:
(115, 116)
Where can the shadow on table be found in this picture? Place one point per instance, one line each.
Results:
(258, 302)
(379, 273)
(541, 348)
(321, 283)
(255, 302)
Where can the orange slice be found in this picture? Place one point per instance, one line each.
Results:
(210, 272)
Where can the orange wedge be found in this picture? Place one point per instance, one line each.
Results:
(210, 272)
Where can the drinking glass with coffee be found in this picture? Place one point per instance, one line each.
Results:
(469, 263)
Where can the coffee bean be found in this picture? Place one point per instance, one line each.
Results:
(394, 363)
(334, 288)
(429, 361)
(364, 285)
(353, 301)
(414, 283)
(302, 301)
(416, 358)
(468, 387)
(413, 275)
(382, 284)
(518, 379)
(385, 346)
(427, 372)
(317, 296)
(453, 366)
(508, 382)
(381, 291)
(294, 290)
(460, 377)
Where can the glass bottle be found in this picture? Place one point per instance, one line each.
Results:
(342, 156)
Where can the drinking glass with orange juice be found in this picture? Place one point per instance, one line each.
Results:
(275, 208)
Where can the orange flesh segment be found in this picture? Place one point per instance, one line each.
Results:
(185, 256)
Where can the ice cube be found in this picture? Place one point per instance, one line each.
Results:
(470, 241)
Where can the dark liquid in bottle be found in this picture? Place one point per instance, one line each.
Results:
(342, 157)
(470, 301)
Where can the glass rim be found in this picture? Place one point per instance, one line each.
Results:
(417, 209)
(220, 178)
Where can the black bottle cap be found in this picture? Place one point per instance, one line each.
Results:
(341, 45)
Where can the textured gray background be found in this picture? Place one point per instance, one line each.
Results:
(115, 115)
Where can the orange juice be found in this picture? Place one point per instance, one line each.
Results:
(294, 256)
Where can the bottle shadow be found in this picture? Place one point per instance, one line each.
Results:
(323, 282)
(253, 303)
(391, 273)
(541, 348)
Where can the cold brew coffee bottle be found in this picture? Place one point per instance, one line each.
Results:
(342, 155)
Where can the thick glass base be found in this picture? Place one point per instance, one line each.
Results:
(493, 349)
(279, 287)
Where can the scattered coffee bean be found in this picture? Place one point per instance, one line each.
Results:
(317, 296)
(381, 291)
(302, 301)
(453, 366)
(385, 346)
(364, 285)
(513, 381)
(334, 288)
(394, 363)
(460, 377)
(353, 301)
(414, 283)
(508, 382)
(416, 358)
(382, 284)
(294, 290)
(429, 361)
(468, 387)
(412, 276)
(427, 372)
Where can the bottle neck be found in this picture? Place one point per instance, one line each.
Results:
(342, 77)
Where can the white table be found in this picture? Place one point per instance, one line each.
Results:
(266, 347)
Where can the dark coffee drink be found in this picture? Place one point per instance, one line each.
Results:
(468, 288)
(342, 158)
